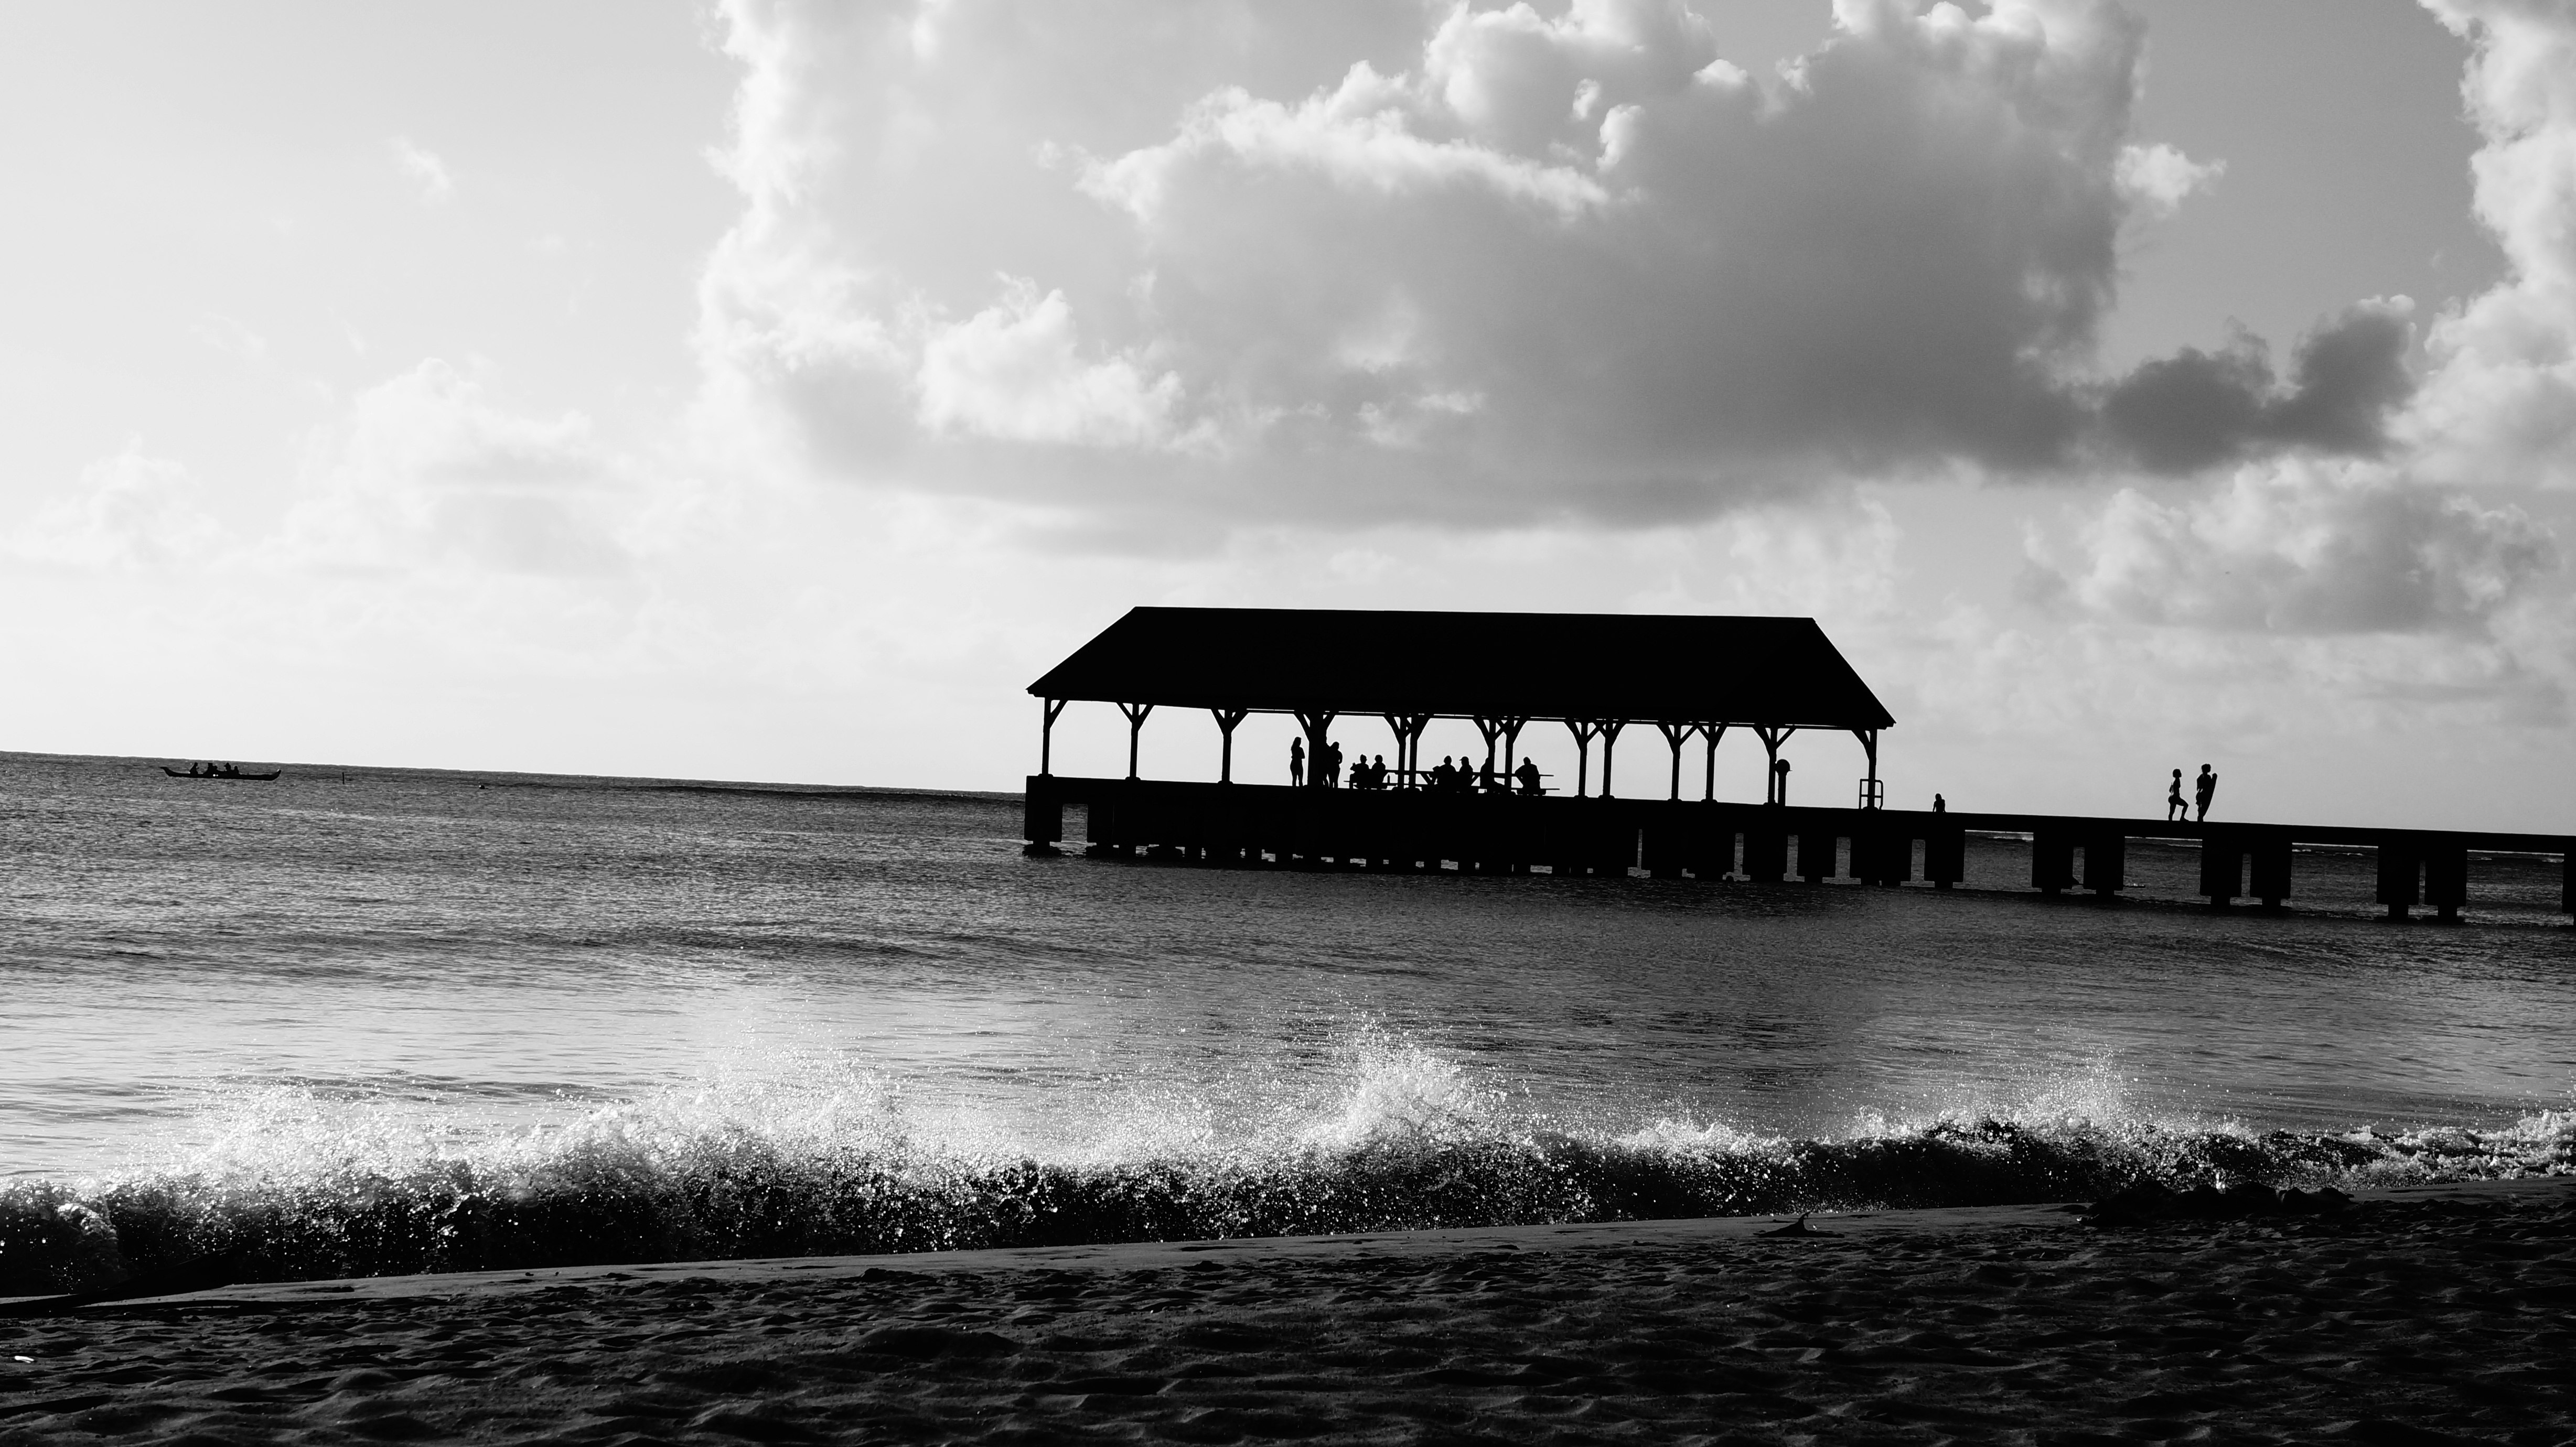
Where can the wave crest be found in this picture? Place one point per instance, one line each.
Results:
(288, 1186)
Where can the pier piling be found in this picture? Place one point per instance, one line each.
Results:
(2400, 866)
(1254, 825)
(2270, 851)
(1816, 855)
(2052, 860)
(2222, 866)
(1766, 854)
(2446, 880)
(2106, 864)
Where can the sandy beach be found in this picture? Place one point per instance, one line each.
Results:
(2438, 1314)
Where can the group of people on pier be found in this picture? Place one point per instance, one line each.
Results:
(1453, 776)
(2203, 790)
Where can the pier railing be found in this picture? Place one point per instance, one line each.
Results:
(1409, 830)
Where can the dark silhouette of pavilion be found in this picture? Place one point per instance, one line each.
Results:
(1595, 673)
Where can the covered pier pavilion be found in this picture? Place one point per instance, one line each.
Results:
(1684, 681)
(1681, 681)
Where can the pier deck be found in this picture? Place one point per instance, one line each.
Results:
(1413, 830)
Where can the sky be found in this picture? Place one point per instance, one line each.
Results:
(771, 389)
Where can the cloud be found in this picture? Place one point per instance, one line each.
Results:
(1484, 266)
(2160, 178)
(132, 512)
(2197, 409)
(425, 169)
(2307, 547)
(1014, 371)
(2500, 404)
(426, 472)
(2399, 542)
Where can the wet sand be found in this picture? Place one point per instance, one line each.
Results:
(2418, 1316)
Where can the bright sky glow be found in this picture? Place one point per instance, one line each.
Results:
(771, 389)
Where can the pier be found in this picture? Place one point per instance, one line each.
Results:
(1691, 680)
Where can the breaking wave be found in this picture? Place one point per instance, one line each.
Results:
(288, 1184)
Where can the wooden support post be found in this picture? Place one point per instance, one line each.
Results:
(1945, 856)
(1583, 729)
(2222, 866)
(1227, 721)
(1490, 730)
(1407, 728)
(1609, 741)
(1511, 731)
(2401, 866)
(1774, 789)
(1318, 724)
(1046, 735)
(1715, 732)
(2052, 861)
(1673, 735)
(1136, 713)
(2270, 868)
(2106, 864)
(1873, 795)
(2446, 880)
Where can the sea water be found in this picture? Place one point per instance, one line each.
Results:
(374, 1020)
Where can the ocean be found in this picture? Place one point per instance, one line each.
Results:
(364, 1021)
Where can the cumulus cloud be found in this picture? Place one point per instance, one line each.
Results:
(1488, 264)
(2309, 547)
(2399, 543)
(2160, 177)
(130, 512)
(426, 472)
(2500, 405)
(425, 169)
(2199, 409)
(1015, 371)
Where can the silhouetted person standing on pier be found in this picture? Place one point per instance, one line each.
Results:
(1939, 806)
(1332, 765)
(1296, 763)
(2206, 787)
(2175, 808)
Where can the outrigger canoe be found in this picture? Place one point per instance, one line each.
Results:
(236, 775)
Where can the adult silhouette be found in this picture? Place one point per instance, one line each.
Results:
(1296, 763)
(1332, 764)
(1940, 805)
(1527, 773)
(2175, 808)
(2204, 788)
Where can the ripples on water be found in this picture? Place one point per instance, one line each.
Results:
(431, 1021)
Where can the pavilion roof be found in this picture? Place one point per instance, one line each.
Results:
(1638, 667)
